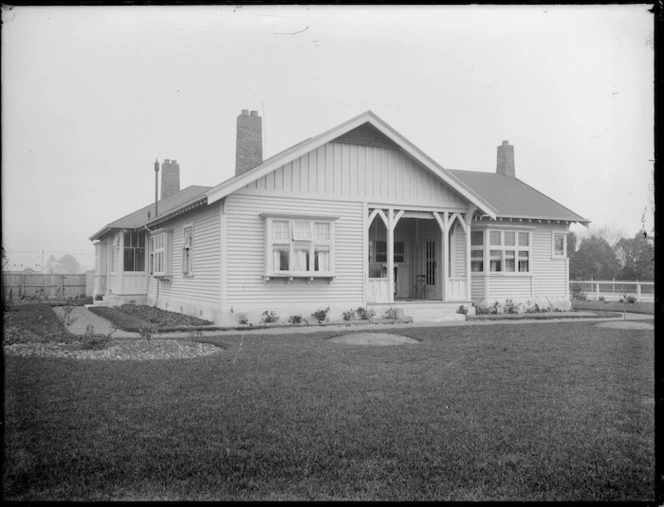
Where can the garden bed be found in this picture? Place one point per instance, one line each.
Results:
(543, 316)
(134, 317)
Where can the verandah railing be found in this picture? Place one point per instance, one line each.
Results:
(613, 290)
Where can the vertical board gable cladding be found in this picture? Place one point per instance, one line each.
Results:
(360, 173)
(246, 256)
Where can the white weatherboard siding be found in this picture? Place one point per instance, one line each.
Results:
(516, 287)
(199, 294)
(550, 274)
(245, 288)
(477, 286)
(360, 173)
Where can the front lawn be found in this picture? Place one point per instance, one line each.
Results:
(614, 306)
(497, 412)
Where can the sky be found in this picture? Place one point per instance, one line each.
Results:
(91, 96)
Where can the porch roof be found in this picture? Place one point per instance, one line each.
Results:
(512, 198)
(140, 218)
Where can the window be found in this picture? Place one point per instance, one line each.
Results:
(299, 246)
(509, 251)
(381, 251)
(430, 248)
(158, 254)
(559, 244)
(134, 251)
(477, 251)
(187, 250)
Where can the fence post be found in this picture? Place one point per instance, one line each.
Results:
(23, 283)
(597, 289)
(62, 286)
(613, 287)
(638, 291)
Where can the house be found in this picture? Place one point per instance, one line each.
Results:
(357, 216)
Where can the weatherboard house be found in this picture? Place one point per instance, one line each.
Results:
(357, 216)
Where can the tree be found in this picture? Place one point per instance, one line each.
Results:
(594, 259)
(637, 257)
(67, 264)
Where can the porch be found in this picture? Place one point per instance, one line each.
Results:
(416, 255)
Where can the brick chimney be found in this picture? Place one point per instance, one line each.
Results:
(505, 165)
(249, 144)
(170, 178)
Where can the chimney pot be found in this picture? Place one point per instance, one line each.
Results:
(249, 142)
(505, 160)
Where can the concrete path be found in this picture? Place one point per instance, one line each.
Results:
(83, 317)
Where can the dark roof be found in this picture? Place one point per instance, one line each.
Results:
(139, 218)
(512, 198)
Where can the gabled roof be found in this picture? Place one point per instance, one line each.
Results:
(167, 205)
(512, 198)
(231, 185)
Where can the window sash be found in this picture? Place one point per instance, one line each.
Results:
(559, 244)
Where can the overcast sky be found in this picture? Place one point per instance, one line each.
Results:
(92, 95)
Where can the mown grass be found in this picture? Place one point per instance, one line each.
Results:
(614, 306)
(509, 412)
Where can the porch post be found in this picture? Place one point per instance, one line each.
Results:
(120, 266)
(390, 252)
(446, 254)
(469, 220)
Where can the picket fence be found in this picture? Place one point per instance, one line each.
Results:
(613, 290)
(45, 285)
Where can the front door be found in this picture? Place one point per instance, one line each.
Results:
(431, 286)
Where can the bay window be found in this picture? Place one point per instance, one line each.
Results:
(508, 251)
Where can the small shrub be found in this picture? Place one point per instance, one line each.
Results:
(602, 298)
(511, 306)
(321, 315)
(577, 293)
(269, 317)
(92, 341)
(349, 315)
(68, 320)
(391, 314)
(365, 314)
(481, 310)
(495, 308)
(630, 299)
(242, 319)
(146, 332)
(99, 297)
(195, 334)
(533, 309)
(296, 319)
(462, 310)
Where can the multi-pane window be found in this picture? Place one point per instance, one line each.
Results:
(187, 250)
(134, 251)
(299, 246)
(509, 251)
(477, 251)
(381, 251)
(158, 259)
(559, 244)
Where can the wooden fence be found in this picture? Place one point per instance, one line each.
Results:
(613, 290)
(43, 285)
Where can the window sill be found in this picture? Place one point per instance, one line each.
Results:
(163, 278)
(501, 273)
(290, 277)
(188, 275)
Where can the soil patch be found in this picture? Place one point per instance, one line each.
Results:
(373, 339)
(121, 350)
(626, 324)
